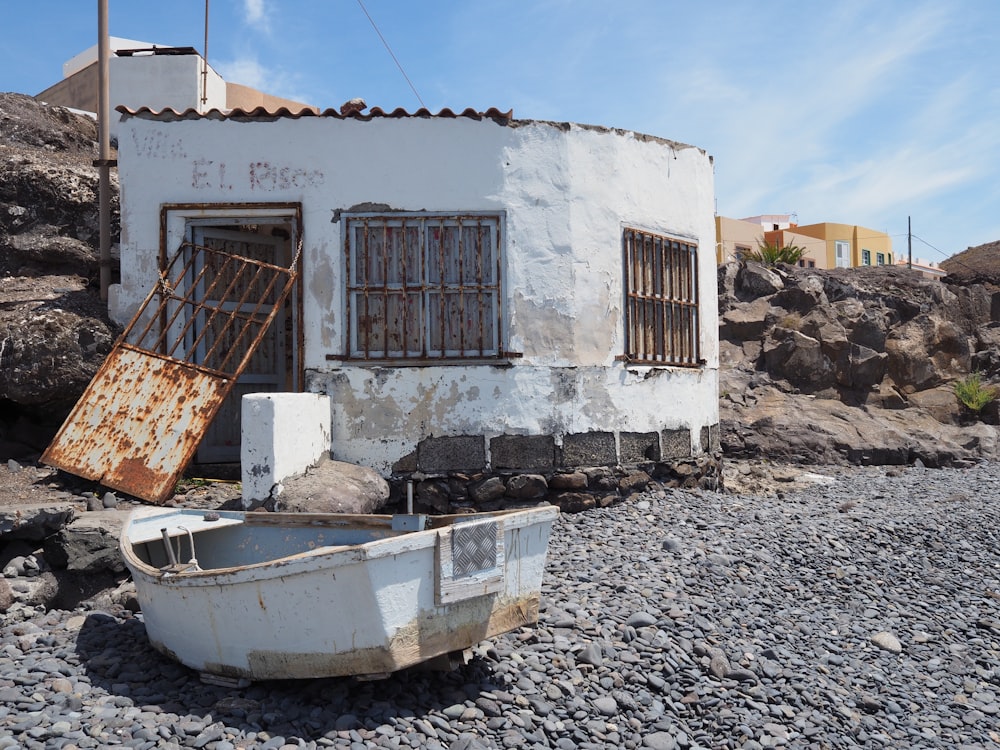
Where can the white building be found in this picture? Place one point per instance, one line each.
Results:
(143, 74)
(476, 294)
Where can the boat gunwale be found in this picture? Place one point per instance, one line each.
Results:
(328, 555)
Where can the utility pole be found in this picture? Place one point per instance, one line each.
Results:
(909, 244)
(104, 156)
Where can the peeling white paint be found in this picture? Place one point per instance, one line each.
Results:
(566, 192)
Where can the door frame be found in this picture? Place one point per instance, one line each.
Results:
(177, 223)
(176, 218)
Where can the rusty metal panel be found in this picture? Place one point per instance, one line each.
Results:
(143, 420)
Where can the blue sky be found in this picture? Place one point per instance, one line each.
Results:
(848, 111)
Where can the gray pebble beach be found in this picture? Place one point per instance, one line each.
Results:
(861, 610)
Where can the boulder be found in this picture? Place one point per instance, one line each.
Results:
(88, 544)
(744, 320)
(799, 359)
(754, 280)
(333, 487)
(927, 351)
(34, 521)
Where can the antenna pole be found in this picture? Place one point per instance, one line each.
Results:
(104, 150)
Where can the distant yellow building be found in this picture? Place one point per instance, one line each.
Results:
(848, 245)
(826, 245)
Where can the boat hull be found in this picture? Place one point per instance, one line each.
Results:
(353, 596)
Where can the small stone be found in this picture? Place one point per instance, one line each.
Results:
(887, 641)
(659, 741)
(671, 545)
(592, 655)
(606, 706)
(641, 620)
(719, 664)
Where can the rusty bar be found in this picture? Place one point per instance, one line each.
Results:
(460, 283)
(211, 311)
(172, 284)
(364, 292)
(420, 290)
(678, 354)
(386, 235)
(627, 241)
(661, 299)
(696, 336)
(264, 324)
(441, 306)
(348, 244)
(647, 248)
(404, 269)
(230, 318)
(214, 311)
(187, 300)
(479, 287)
(425, 308)
(253, 320)
(498, 293)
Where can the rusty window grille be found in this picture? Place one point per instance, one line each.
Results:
(424, 286)
(661, 300)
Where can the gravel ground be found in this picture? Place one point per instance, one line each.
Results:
(860, 611)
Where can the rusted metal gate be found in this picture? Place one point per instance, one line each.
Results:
(143, 415)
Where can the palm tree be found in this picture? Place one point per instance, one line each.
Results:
(770, 254)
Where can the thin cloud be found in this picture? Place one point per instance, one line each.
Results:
(257, 15)
(248, 71)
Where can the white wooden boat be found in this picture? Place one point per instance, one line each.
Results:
(257, 595)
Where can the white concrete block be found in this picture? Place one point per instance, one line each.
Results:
(283, 434)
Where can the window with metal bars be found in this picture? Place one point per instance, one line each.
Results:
(661, 300)
(424, 286)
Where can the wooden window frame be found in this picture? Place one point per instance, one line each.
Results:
(442, 283)
(662, 311)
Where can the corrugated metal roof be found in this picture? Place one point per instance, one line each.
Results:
(263, 113)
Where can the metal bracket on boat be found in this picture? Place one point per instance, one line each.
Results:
(174, 566)
(409, 521)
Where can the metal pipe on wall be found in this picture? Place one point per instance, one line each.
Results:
(104, 137)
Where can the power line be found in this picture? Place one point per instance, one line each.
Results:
(941, 252)
(389, 50)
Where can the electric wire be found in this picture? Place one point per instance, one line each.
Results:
(393, 56)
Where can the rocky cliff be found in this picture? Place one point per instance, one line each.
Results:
(855, 365)
(54, 329)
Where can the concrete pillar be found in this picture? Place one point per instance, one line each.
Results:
(283, 435)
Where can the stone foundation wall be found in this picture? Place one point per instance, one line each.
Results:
(581, 471)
